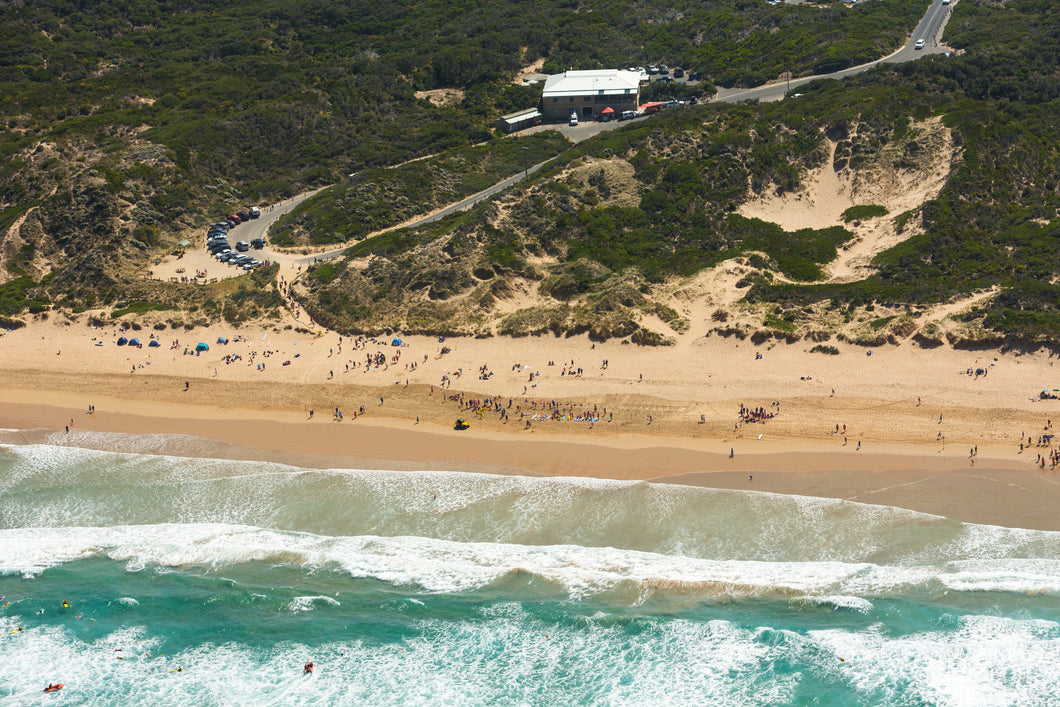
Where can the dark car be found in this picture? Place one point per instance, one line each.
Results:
(257, 243)
(678, 73)
(242, 246)
(665, 79)
(693, 76)
(664, 69)
(243, 215)
(219, 247)
(652, 69)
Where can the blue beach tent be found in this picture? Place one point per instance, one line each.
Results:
(134, 342)
(396, 342)
(122, 341)
(202, 347)
(154, 344)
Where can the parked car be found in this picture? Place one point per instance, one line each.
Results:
(678, 73)
(652, 69)
(243, 216)
(693, 76)
(254, 211)
(664, 69)
(628, 115)
(220, 247)
(919, 44)
(242, 246)
(257, 243)
(665, 79)
(234, 219)
(573, 119)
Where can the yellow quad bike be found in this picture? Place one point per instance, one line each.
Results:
(461, 424)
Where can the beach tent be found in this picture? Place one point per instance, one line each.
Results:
(608, 111)
(122, 341)
(396, 342)
(222, 340)
(134, 342)
(154, 344)
(202, 347)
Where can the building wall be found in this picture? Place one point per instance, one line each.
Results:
(555, 109)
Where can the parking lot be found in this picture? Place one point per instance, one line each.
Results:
(198, 265)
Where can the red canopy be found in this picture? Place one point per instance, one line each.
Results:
(607, 111)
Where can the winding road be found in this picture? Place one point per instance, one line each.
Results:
(929, 30)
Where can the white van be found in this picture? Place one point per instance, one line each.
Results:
(573, 118)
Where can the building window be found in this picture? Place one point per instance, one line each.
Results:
(555, 100)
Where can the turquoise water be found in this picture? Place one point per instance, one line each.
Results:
(436, 587)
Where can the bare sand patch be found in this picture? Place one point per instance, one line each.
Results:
(887, 180)
(442, 96)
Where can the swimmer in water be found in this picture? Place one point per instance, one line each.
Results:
(308, 668)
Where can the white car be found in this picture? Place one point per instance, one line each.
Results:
(573, 119)
(919, 44)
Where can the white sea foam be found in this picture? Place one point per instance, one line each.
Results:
(440, 566)
(858, 604)
(508, 658)
(986, 661)
(308, 603)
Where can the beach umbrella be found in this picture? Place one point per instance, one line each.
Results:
(122, 341)
(154, 344)
(202, 346)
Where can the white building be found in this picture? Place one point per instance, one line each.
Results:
(589, 92)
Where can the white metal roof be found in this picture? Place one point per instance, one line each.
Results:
(524, 113)
(608, 82)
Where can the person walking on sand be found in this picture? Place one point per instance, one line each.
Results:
(732, 452)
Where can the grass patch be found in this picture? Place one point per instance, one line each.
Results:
(864, 212)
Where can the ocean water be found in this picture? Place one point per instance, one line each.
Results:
(203, 580)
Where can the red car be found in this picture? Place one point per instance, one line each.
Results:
(233, 217)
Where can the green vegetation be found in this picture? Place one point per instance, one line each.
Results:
(20, 294)
(381, 198)
(124, 122)
(140, 308)
(825, 349)
(863, 212)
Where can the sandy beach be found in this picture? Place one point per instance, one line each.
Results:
(914, 429)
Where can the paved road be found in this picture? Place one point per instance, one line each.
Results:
(929, 29)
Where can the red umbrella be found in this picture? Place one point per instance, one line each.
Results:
(607, 111)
